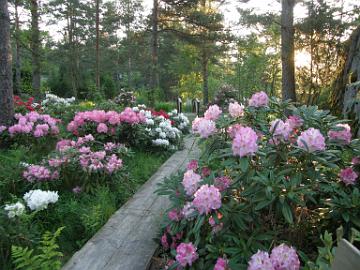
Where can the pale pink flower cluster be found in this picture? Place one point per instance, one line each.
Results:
(188, 210)
(232, 130)
(282, 257)
(343, 135)
(204, 127)
(245, 142)
(2, 129)
(131, 117)
(39, 173)
(38, 125)
(311, 140)
(207, 198)
(105, 121)
(348, 176)
(280, 130)
(222, 183)
(213, 113)
(65, 144)
(221, 264)
(259, 99)
(96, 161)
(186, 254)
(113, 164)
(191, 182)
(236, 110)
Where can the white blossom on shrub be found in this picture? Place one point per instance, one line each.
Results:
(15, 209)
(38, 199)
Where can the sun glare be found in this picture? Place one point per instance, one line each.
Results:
(302, 59)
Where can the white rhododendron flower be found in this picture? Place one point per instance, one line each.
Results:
(38, 199)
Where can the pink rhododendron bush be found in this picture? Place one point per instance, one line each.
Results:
(78, 165)
(269, 189)
(137, 126)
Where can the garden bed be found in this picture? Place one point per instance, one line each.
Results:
(65, 172)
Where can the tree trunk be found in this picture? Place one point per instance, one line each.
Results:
(287, 50)
(18, 59)
(128, 33)
(35, 48)
(6, 87)
(205, 77)
(97, 69)
(71, 51)
(154, 80)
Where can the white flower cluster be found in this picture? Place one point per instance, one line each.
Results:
(15, 209)
(182, 121)
(38, 199)
(51, 99)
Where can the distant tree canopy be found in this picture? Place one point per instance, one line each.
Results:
(183, 47)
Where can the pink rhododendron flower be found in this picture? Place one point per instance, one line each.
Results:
(259, 99)
(37, 173)
(294, 121)
(236, 110)
(260, 261)
(186, 254)
(131, 117)
(188, 210)
(212, 113)
(343, 135)
(348, 176)
(164, 241)
(191, 182)
(221, 264)
(56, 162)
(245, 142)
(193, 165)
(102, 128)
(63, 145)
(2, 128)
(205, 171)
(114, 163)
(77, 190)
(313, 139)
(222, 183)
(195, 124)
(280, 129)
(174, 215)
(284, 257)
(232, 130)
(207, 198)
(206, 128)
(355, 160)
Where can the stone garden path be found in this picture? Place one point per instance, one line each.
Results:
(126, 240)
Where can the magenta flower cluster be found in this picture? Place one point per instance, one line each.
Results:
(311, 140)
(39, 173)
(105, 121)
(348, 176)
(259, 99)
(207, 198)
(282, 257)
(221, 264)
(35, 124)
(244, 142)
(343, 135)
(186, 254)
(222, 183)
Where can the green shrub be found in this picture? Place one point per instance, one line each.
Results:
(165, 106)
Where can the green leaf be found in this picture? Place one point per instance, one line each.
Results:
(287, 213)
